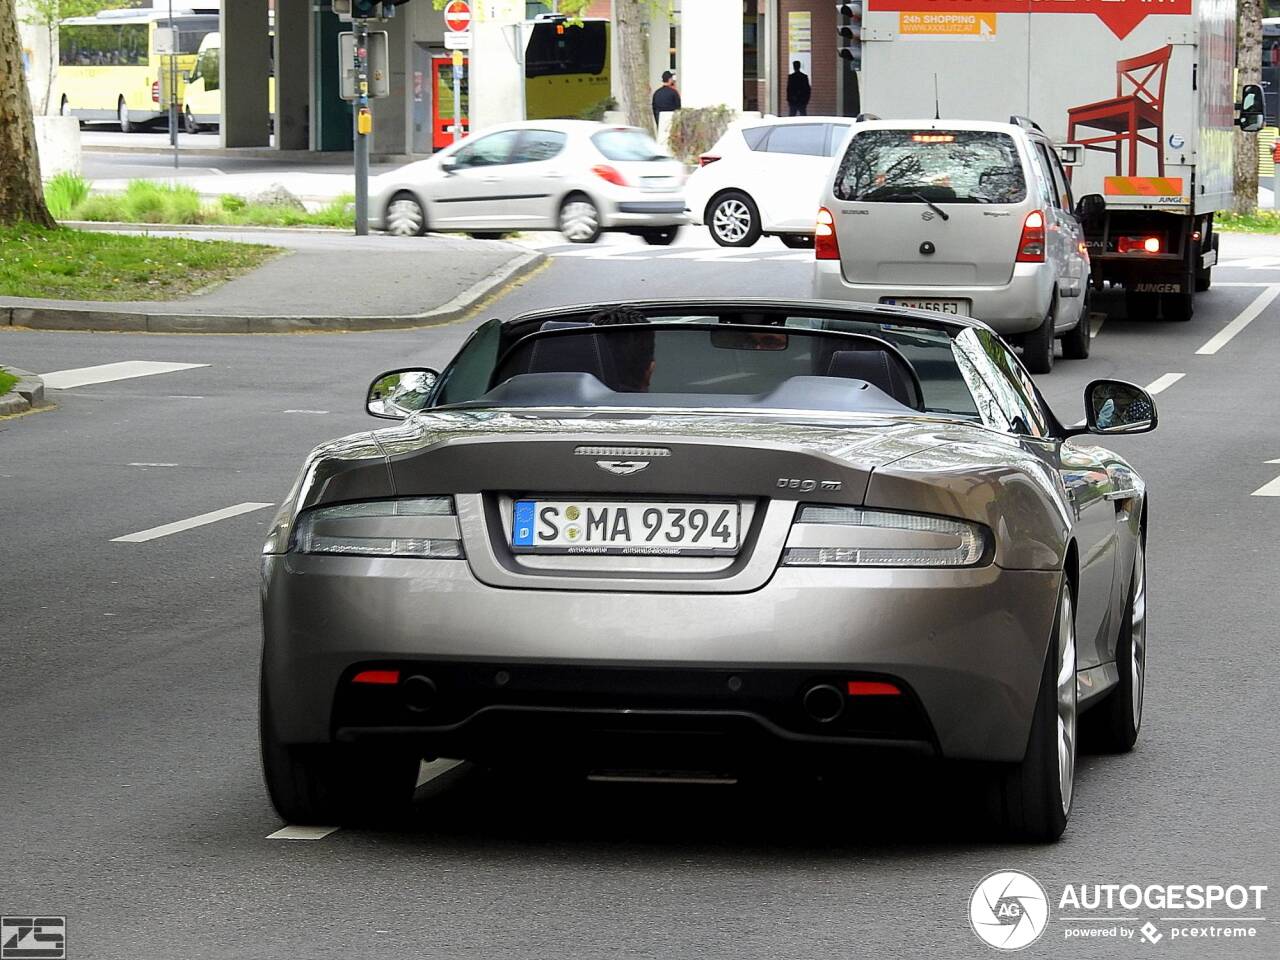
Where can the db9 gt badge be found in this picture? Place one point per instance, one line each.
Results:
(623, 468)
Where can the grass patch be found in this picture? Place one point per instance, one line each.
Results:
(1260, 221)
(7, 380)
(87, 265)
(149, 201)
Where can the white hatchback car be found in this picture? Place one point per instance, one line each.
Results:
(575, 176)
(765, 177)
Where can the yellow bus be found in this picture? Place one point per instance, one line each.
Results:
(566, 67)
(202, 98)
(109, 67)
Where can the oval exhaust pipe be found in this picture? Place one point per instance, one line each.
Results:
(823, 703)
(418, 692)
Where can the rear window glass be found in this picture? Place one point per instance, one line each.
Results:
(809, 139)
(755, 136)
(960, 166)
(627, 144)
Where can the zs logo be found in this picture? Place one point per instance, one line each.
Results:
(33, 938)
(790, 483)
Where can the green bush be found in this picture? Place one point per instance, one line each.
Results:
(64, 192)
(1260, 221)
(598, 109)
(144, 202)
(231, 203)
(695, 131)
(100, 208)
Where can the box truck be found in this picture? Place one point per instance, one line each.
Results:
(1139, 96)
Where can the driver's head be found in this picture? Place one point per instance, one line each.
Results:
(632, 351)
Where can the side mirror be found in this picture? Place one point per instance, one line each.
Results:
(398, 393)
(1091, 208)
(1071, 154)
(449, 165)
(1252, 111)
(1114, 406)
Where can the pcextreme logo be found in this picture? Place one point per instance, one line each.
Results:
(1010, 910)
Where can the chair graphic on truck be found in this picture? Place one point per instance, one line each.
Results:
(1125, 116)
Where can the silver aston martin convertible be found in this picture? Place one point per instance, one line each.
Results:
(709, 536)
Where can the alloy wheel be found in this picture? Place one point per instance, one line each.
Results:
(1138, 635)
(731, 220)
(579, 220)
(1066, 700)
(405, 217)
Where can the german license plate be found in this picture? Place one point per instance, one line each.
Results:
(957, 308)
(661, 528)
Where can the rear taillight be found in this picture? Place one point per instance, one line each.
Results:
(1138, 245)
(707, 158)
(825, 244)
(1031, 244)
(382, 677)
(610, 174)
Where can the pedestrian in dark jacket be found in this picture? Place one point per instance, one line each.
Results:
(666, 98)
(798, 91)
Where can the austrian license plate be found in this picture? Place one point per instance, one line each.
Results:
(957, 308)
(661, 528)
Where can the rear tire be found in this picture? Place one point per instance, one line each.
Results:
(797, 241)
(405, 216)
(579, 219)
(1112, 726)
(122, 114)
(660, 236)
(189, 121)
(331, 783)
(1031, 800)
(1038, 345)
(1076, 343)
(733, 219)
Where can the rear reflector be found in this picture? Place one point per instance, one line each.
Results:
(872, 688)
(707, 158)
(825, 245)
(1031, 244)
(377, 676)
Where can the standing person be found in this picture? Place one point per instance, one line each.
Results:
(798, 91)
(666, 98)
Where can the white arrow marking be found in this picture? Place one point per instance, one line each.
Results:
(1271, 489)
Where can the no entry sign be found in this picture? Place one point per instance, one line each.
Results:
(457, 16)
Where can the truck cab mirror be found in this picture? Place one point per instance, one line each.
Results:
(1091, 208)
(1071, 154)
(1252, 112)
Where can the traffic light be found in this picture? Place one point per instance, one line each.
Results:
(366, 9)
(849, 32)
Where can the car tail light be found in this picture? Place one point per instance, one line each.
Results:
(610, 174)
(833, 536)
(825, 244)
(707, 158)
(384, 677)
(421, 527)
(1031, 244)
(873, 688)
(1138, 245)
(155, 92)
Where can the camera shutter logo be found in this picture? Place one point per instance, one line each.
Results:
(33, 938)
(1008, 910)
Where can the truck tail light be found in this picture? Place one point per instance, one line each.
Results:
(1138, 245)
(1031, 244)
(825, 244)
(609, 174)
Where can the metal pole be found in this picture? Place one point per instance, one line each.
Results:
(173, 86)
(362, 138)
(457, 103)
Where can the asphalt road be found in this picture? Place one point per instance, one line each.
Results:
(131, 800)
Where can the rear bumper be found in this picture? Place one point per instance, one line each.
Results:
(644, 210)
(967, 646)
(1015, 307)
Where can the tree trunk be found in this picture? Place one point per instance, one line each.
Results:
(632, 60)
(21, 196)
(1249, 61)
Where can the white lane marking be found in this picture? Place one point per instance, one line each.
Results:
(1273, 461)
(1270, 489)
(1252, 263)
(435, 769)
(1241, 283)
(179, 525)
(153, 464)
(107, 372)
(306, 411)
(301, 833)
(1246, 317)
(1163, 382)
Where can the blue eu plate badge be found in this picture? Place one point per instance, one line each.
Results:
(522, 524)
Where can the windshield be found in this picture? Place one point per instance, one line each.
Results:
(707, 360)
(939, 166)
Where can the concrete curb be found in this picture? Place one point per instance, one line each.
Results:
(98, 319)
(27, 394)
(117, 226)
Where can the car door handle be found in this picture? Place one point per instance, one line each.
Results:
(491, 180)
(554, 175)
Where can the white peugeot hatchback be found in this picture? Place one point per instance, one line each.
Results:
(765, 177)
(960, 217)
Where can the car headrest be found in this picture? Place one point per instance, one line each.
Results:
(879, 368)
(570, 354)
